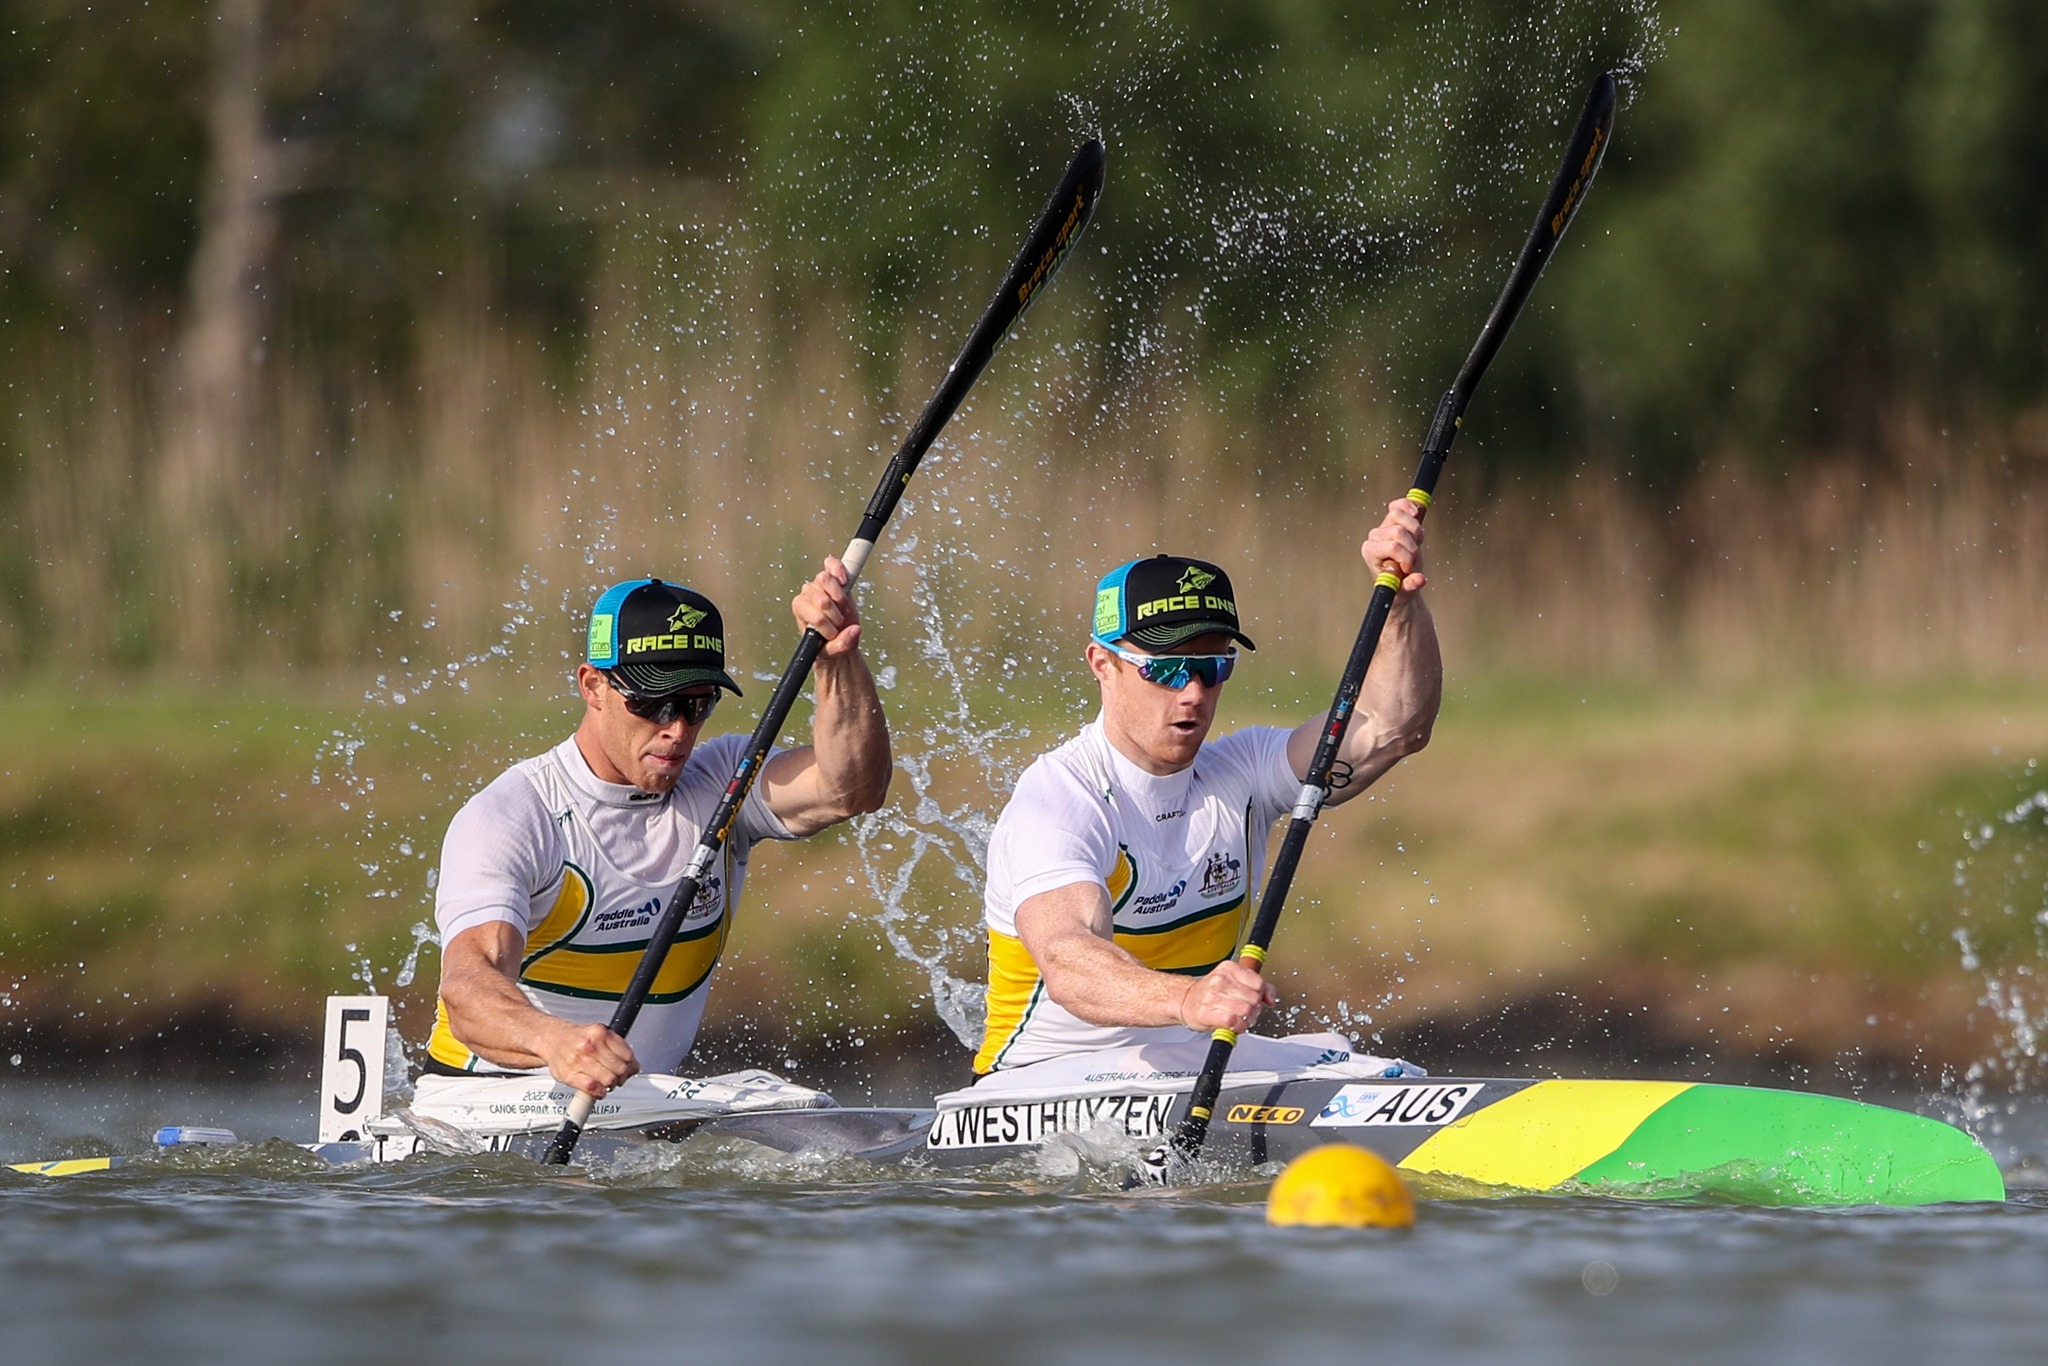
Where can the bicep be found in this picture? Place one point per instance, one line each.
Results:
(793, 790)
(1362, 753)
(1301, 745)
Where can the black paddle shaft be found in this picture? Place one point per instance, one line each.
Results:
(1581, 160)
(1058, 226)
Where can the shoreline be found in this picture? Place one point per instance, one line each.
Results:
(1560, 1032)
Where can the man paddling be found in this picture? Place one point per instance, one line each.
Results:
(1125, 866)
(551, 876)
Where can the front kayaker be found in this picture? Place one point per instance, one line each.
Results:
(551, 876)
(1124, 868)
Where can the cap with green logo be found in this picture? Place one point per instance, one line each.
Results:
(658, 637)
(1164, 602)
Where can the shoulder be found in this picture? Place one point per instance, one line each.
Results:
(706, 777)
(709, 769)
(507, 828)
(1058, 813)
(509, 798)
(1057, 830)
(717, 756)
(1059, 781)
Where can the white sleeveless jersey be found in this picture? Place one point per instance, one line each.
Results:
(583, 867)
(1180, 857)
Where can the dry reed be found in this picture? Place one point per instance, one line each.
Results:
(481, 500)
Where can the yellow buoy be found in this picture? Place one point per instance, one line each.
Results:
(1339, 1186)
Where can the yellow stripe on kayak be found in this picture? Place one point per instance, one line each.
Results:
(67, 1167)
(1543, 1135)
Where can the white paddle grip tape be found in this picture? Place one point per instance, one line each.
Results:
(580, 1107)
(1310, 801)
(856, 557)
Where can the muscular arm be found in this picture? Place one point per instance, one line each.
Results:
(1067, 932)
(1397, 707)
(493, 1018)
(1404, 688)
(845, 769)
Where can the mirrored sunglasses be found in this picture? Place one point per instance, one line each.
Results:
(1174, 671)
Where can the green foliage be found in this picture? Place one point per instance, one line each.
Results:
(102, 143)
(1817, 215)
(1282, 177)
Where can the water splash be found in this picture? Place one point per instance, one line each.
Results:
(944, 938)
(364, 972)
(2002, 940)
(423, 934)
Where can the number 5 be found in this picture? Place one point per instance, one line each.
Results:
(352, 1072)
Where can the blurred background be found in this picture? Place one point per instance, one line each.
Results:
(350, 349)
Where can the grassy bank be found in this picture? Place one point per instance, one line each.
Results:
(1675, 878)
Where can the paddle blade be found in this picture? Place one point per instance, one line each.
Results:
(1059, 225)
(1583, 154)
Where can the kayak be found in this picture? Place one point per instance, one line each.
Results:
(1454, 1136)
(1647, 1140)
(1490, 1135)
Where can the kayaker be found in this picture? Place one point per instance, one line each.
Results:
(551, 875)
(1125, 866)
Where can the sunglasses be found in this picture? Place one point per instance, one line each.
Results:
(663, 710)
(1174, 671)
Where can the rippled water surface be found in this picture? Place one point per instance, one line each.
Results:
(729, 1255)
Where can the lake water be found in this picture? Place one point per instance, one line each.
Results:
(730, 1255)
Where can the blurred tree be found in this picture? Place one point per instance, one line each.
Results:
(1824, 217)
(220, 359)
(1818, 216)
(1290, 183)
(102, 141)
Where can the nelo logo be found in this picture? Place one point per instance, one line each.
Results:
(1265, 1114)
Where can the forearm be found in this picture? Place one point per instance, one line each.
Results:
(1096, 981)
(492, 1017)
(849, 739)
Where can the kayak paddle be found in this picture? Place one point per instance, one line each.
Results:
(1058, 227)
(1581, 160)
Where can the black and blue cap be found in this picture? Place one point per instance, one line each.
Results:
(1165, 601)
(658, 638)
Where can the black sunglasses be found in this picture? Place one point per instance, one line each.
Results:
(663, 710)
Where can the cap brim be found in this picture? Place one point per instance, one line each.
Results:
(1170, 637)
(655, 681)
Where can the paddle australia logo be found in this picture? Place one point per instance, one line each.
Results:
(998, 1126)
(1160, 901)
(1431, 1104)
(1221, 874)
(627, 917)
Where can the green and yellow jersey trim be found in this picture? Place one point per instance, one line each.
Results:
(556, 964)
